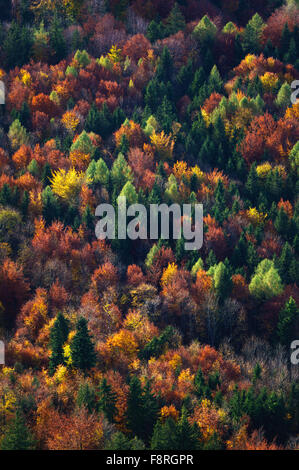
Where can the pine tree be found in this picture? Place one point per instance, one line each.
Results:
(175, 21)
(166, 115)
(282, 223)
(58, 336)
(57, 41)
(240, 251)
(82, 349)
(17, 46)
(121, 442)
(205, 31)
(51, 207)
(135, 407)
(165, 436)
(88, 218)
(284, 263)
(215, 81)
(155, 31)
(285, 41)
(252, 183)
(150, 411)
(187, 435)
(201, 388)
(252, 34)
(129, 192)
(106, 400)
(287, 323)
(284, 96)
(222, 281)
(93, 120)
(291, 55)
(17, 436)
(86, 397)
(165, 66)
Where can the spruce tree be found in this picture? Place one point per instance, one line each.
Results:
(252, 34)
(17, 436)
(288, 322)
(86, 397)
(222, 282)
(57, 41)
(106, 400)
(82, 349)
(175, 21)
(58, 336)
(135, 407)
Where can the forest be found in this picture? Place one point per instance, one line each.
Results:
(134, 345)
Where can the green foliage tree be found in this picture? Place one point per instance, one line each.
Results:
(288, 323)
(58, 336)
(106, 400)
(252, 34)
(82, 349)
(17, 436)
(266, 282)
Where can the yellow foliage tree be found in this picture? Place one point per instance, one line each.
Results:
(163, 144)
(68, 185)
(168, 274)
(114, 55)
(70, 121)
(269, 81)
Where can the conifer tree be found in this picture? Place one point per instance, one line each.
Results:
(86, 397)
(135, 407)
(17, 436)
(58, 336)
(106, 400)
(222, 281)
(175, 21)
(252, 34)
(82, 349)
(57, 41)
(288, 323)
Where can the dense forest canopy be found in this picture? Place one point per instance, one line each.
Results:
(141, 344)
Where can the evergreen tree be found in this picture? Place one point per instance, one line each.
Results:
(17, 436)
(252, 183)
(222, 281)
(106, 400)
(58, 336)
(155, 30)
(86, 397)
(17, 46)
(252, 34)
(82, 349)
(51, 207)
(165, 436)
(57, 41)
(285, 263)
(175, 21)
(142, 409)
(288, 323)
(135, 407)
(165, 66)
(284, 96)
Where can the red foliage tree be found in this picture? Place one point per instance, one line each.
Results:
(14, 290)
